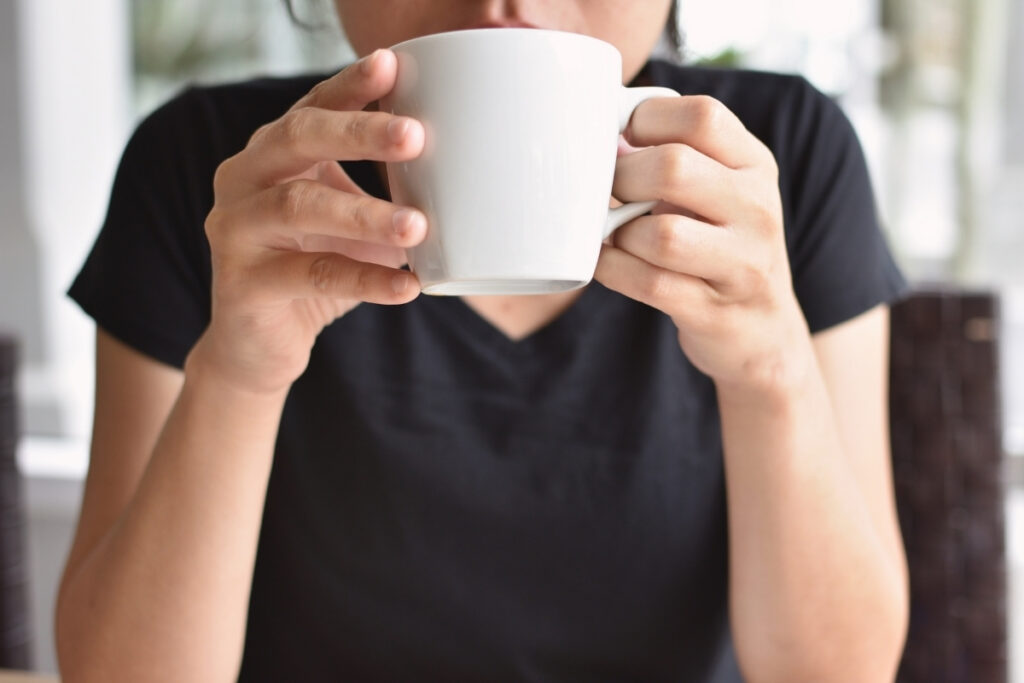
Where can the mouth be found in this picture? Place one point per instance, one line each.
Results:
(505, 23)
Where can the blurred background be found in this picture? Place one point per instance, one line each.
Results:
(935, 89)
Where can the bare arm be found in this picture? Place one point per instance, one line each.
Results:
(818, 585)
(818, 577)
(157, 584)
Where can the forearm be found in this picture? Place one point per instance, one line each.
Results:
(816, 592)
(164, 595)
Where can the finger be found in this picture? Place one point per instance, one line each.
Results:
(303, 137)
(393, 257)
(355, 86)
(680, 244)
(303, 275)
(680, 175)
(670, 292)
(283, 215)
(701, 122)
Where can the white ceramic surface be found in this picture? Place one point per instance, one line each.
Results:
(522, 129)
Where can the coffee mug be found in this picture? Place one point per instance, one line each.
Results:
(522, 129)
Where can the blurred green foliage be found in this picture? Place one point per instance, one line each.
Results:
(729, 58)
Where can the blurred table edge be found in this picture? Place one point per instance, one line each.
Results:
(7, 676)
(53, 457)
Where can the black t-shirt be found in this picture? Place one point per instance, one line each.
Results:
(449, 504)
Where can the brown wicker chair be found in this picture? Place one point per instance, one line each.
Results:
(15, 634)
(948, 468)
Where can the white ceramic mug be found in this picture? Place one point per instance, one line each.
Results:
(522, 129)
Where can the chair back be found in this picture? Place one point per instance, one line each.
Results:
(15, 634)
(948, 470)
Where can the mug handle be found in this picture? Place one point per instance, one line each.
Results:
(629, 100)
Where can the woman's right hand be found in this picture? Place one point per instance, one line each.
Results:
(295, 243)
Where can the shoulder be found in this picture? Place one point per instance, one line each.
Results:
(217, 121)
(726, 83)
(841, 265)
(815, 146)
(784, 111)
(742, 89)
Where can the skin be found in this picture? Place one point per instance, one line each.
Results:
(157, 582)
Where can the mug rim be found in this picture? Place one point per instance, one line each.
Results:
(470, 33)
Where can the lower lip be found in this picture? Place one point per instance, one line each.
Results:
(493, 25)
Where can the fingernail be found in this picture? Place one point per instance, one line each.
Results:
(397, 129)
(400, 283)
(406, 221)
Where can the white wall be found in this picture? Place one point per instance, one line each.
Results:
(20, 299)
(72, 91)
(64, 117)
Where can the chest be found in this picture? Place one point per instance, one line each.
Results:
(427, 469)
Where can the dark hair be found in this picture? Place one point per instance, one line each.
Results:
(672, 32)
(290, 8)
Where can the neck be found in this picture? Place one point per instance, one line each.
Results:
(517, 317)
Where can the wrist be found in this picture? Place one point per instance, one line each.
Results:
(204, 373)
(775, 379)
(774, 384)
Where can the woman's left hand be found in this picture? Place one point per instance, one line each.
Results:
(712, 256)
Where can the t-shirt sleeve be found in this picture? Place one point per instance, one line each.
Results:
(146, 281)
(839, 258)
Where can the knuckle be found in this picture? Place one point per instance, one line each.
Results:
(709, 113)
(293, 127)
(755, 271)
(711, 318)
(294, 200)
(656, 285)
(764, 209)
(667, 235)
(222, 175)
(260, 133)
(316, 93)
(770, 163)
(749, 276)
(675, 160)
(214, 225)
(324, 273)
(357, 127)
(361, 213)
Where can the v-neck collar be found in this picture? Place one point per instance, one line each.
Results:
(564, 327)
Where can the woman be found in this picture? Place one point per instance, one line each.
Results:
(303, 471)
